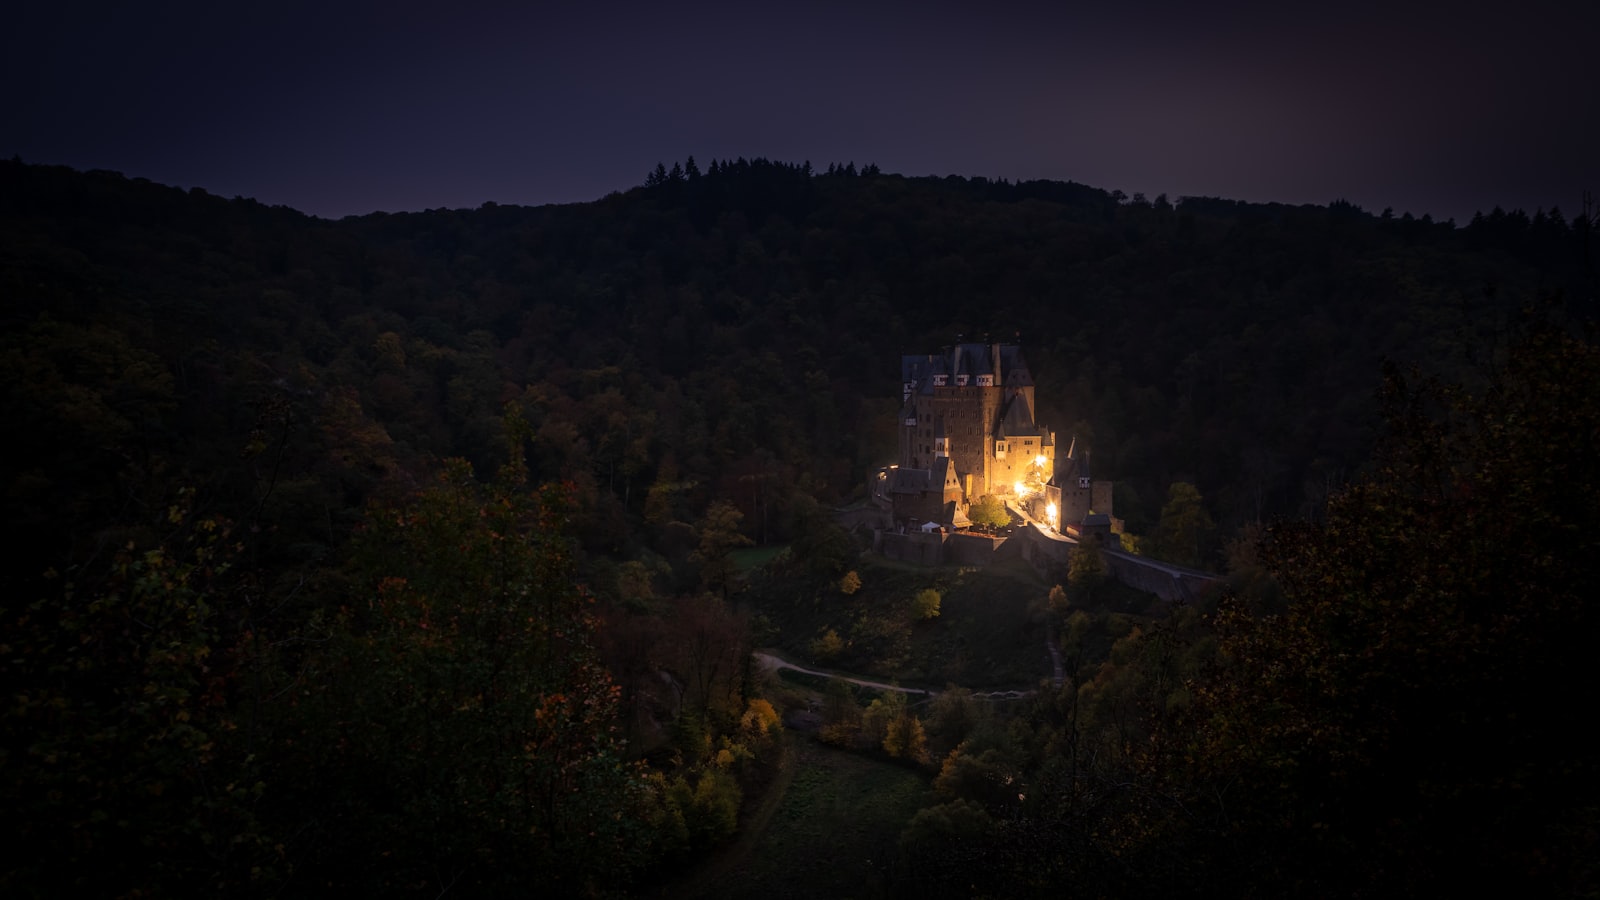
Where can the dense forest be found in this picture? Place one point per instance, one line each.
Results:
(402, 554)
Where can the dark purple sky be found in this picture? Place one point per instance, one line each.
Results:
(1440, 108)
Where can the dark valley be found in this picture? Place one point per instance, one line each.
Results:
(779, 531)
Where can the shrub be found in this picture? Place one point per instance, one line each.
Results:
(828, 646)
(990, 511)
(850, 583)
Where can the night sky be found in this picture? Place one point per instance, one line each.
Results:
(1426, 108)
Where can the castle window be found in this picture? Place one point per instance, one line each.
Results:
(985, 381)
(961, 380)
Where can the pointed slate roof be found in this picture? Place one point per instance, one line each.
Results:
(1014, 367)
(1016, 420)
(967, 358)
(908, 481)
(1069, 468)
(939, 477)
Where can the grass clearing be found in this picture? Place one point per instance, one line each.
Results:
(835, 833)
(747, 559)
(986, 634)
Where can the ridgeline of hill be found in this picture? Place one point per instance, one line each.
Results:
(734, 328)
(288, 610)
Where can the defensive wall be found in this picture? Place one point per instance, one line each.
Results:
(937, 548)
(1051, 554)
(1174, 584)
(1048, 554)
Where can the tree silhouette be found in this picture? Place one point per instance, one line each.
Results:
(1390, 728)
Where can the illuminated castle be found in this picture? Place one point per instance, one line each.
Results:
(967, 429)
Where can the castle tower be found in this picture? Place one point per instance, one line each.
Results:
(972, 403)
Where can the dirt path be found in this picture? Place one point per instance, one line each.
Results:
(753, 825)
(771, 662)
(751, 828)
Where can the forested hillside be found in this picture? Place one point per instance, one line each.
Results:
(744, 322)
(279, 545)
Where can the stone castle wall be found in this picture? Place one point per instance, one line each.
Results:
(970, 549)
(937, 549)
(917, 547)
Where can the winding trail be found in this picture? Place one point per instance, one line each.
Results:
(752, 825)
(771, 662)
(757, 817)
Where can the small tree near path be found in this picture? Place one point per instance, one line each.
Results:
(828, 646)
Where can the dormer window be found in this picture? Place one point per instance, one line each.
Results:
(1083, 482)
(961, 380)
(985, 381)
(939, 380)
